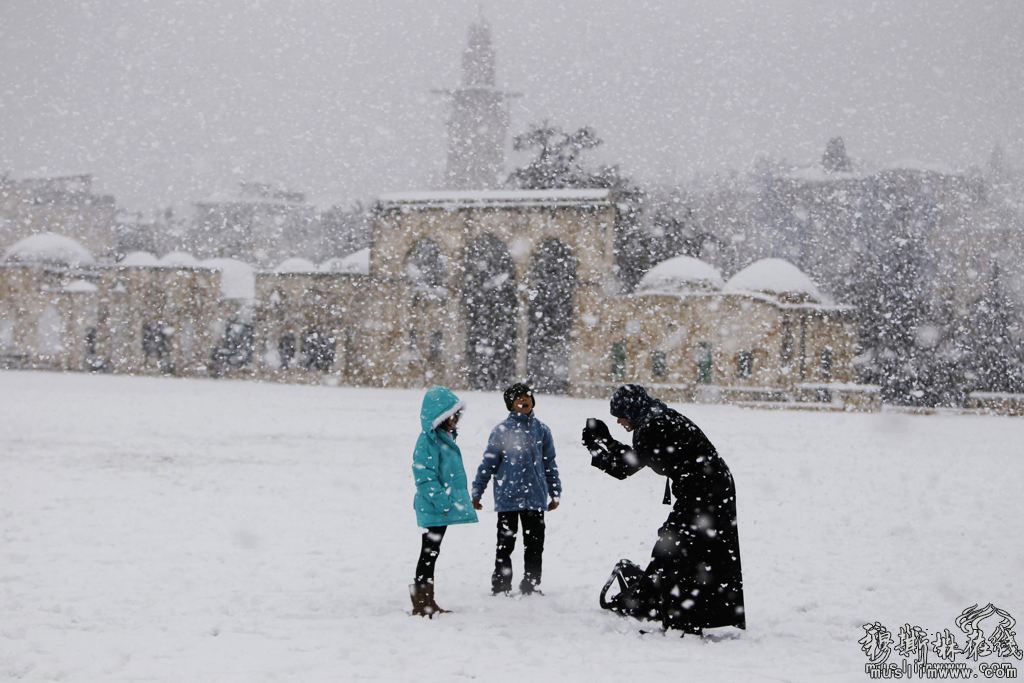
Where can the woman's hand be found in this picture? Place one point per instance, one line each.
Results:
(596, 435)
(477, 505)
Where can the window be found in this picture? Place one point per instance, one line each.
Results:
(704, 365)
(618, 357)
(826, 365)
(318, 348)
(435, 351)
(786, 352)
(286, 347)
(659, 365)
(744, 364)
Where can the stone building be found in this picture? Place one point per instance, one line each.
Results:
(60, 309)
(63, 205)
(260, 225)
(483, 287)
(767, 334)
(312, 321)
(467, 289)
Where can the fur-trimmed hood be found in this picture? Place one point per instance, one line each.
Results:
(439, 403)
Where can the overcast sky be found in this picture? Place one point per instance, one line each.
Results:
(169, 101)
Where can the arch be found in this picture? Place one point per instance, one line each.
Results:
(425, 269)
(156, 344)
(318, 348)
(50, 333)
(552, 284)
(491, 309)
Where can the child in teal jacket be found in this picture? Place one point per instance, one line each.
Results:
(442, 495)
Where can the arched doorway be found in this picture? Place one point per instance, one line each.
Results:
(50, 334)
(552, 283)
(425, 268)
(491, 309)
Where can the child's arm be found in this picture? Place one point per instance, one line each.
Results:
(488, 466)
(551, 469)
(428, 480)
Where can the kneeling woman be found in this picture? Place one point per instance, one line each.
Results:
(694, 580)
(442, 491)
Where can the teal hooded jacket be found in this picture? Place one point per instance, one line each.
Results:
(442, 491)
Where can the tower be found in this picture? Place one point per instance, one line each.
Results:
(478, 118)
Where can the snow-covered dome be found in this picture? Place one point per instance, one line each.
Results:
(237, 278)
(296, 265)
(81, 287)
(179, 259)
(49, 248)
(357, 263)
(681, 274)
(139, 258)
(775, 276)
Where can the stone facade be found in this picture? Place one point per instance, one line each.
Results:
(133, 320)
(65, 205)
(467, 289)
(261, 225)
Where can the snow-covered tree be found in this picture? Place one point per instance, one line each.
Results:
(556, 165)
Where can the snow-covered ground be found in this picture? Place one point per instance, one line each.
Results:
(190, 530)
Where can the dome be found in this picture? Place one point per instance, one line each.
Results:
(357, 263)
(179, 259)
(681, 274)
(775, 276)
(237, 278)
(139, 258)
(295, 265)
(49, 248)
(81, 287)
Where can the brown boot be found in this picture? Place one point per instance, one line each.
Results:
(419, 605)
(431, 604)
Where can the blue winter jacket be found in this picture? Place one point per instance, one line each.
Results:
(442, 497)
(521, 457)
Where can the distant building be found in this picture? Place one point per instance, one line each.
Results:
(478, 118)
(467, 289)
(260, 225)
(63, 205)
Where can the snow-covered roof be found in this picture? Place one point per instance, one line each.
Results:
(139, 258)
(774, 276)
(357, 263)
(179, 259)
(49, 248)
(453, 199)
(296, 265)
(681, 274)
(237, 278)
(80, 286)
(815, 172)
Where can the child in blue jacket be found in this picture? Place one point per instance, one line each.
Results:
(442, 496)
(520, 456)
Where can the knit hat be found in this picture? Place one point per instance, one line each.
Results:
(515, 391)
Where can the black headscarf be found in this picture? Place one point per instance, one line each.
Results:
(632, 402)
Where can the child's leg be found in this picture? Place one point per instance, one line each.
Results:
(508, 526)
(533, 545)
(430, 548)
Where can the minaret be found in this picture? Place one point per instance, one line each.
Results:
(478, 119)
